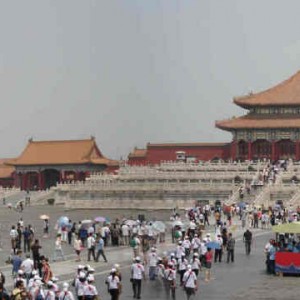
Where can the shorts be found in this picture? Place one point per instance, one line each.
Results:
(189, 291)
(208, 265)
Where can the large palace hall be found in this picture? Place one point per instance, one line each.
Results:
(269, 130)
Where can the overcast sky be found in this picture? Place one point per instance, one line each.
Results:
(136, 71)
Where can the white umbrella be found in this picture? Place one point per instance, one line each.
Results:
(159, 226)
(130, 222)
(177, 223)
(86, 221)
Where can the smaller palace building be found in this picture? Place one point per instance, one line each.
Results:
(269, 130)
(44, 163)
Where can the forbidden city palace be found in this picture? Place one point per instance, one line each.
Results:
(269, 130)
(44, 163)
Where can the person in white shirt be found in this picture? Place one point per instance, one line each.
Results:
(195, 244)
(152, 258)
(137, 273)
(27, 267)
(80, 284)
(90, 291)
(113, 284)
(190, 282)
(65, 294)
(182, 265)
(207, 239)
(37, 289)
(49, 293)
(219, 249)
(13, 237)
(187, 246)
(125, 234)
(179, 250)
(91, 247)
(195, 263)
(58, 248)
(170, 280)
(105, 232)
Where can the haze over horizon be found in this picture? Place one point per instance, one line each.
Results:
(131, 72)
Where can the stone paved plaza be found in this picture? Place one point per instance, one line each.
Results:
(245, 279)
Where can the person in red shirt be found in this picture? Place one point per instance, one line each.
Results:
(208, 262)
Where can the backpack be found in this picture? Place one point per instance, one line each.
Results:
(132, 243)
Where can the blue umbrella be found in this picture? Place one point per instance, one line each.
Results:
(213, 245)
(63, 221)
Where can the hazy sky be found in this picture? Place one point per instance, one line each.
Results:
(136, 71)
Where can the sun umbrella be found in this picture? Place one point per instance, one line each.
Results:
(177, 223)
(44, 217)
(100, 219)
(130, 222)
(213, 245)
(159, 226)
(86, 221)
(63, 221)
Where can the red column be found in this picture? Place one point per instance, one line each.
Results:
(40, 180)
(77, 175)
(233, 150)
(249, 150)
(23, 181)
(297, 154)
(273, 155)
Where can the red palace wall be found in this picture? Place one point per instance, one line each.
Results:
(157, 154)
(137, 161)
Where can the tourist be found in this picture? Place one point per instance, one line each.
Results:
(90, 291)
(145, 245)
(16, 262)
(137, 274)
(80, 285)
(105, 232)
(100, 249)
(13, 237)
(152, 263)
(125, 234)
(69, 232)
(65, 294)
(182, 265)
(189, 282)
(170, 280)
(135, 245)
(46, 270)
(230, 248)
(83, 234)
(19, 292)
(26, 239)
(20, 277)
(49, 293)
(195, 263)
(113, 284)
(58, 251)
(179, 250)
(91, 247)
(27, 267)
(247, 239)
(77, 247)
(208, 264)
(219, 249)
(46, 227)
(271, 261)
(35, 249)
